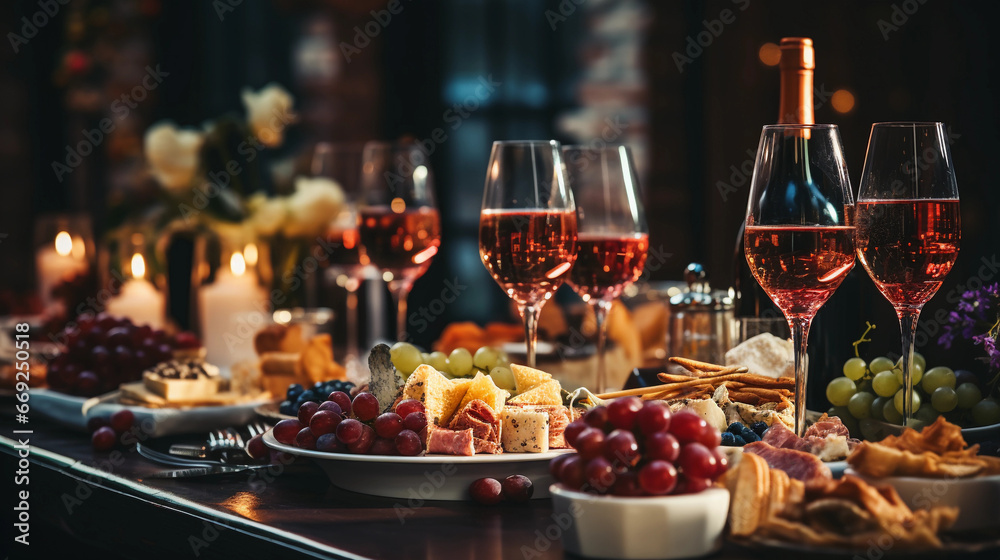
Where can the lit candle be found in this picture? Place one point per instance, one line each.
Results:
(59, 263)
(232, 310)
(138, 300)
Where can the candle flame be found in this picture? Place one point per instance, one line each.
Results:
(138, 266)
(237, 264)
(64, 244)
(250, 254)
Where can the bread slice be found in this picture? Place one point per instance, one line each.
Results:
(483, 388)
(439, 395)
(752, 488)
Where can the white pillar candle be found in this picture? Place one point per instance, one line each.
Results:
(138, 299)
(58, 263)
(232, 310)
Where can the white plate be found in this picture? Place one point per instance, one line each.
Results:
(424, 477)
(74, 412)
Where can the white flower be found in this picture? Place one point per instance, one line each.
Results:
(172, 154)
(267, 215)
(313, 206)
(269, 111)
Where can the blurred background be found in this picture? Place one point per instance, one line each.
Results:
(686, 84)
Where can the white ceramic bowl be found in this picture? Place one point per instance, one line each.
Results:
(682, 526)
(977, 499)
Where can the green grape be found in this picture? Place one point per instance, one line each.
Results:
(855, 368)
(944, 399)
(503, 378)
(918, 358)
(878, 407)
(485, 358)
(938, 377)
(840, 390)
(885, 384)
(860, 405)
(880, 364)
(406, 357)
(968, 395)
(503, 360)
(460, 362)
(438, 361)
(926, 414)
(916, 373)
(865, 385)
(897, 401)
(890, 413)
(986, 412)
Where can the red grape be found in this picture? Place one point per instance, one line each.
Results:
(119, 336)
(99, 356)
(349, 431)
(721, 462)
(597, 417)
(408, 443)
(415, 421)
(555, 466)
(687, 426)
(331, 406)
(383, 446)
(95, 422)
(599, 474)
(330, 444)
(697, 461)
(622, 412)
(663, 446)
(87, 383)
(409, 406)
(256, 448)
(627, 484)
(186, 340)
(305, 439)
(286, 430)
(106, 321)
(658, 477)
(324, 422)
(710, 437)
(365, 407)
(364, 441)
(590, 443)
(620, 447)
(571, 474)
(572, 430)
(517, 488)
(103, 439)
(388, 425)
(653, 417)
(306, 411)
(343, 399)
(122, 421)
(692, 484)
(486, 491)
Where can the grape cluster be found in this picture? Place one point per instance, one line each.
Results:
(636, 448)
(340, 425)
(460, 363)
(103, 351)
(297, 394)
(875, 390)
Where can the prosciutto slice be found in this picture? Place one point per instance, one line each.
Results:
(484, 424)
(797, 464)
(451, 442)
(828, 436)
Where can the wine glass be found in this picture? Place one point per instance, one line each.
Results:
(343, 266)
(398, 222)
(527, 227)
(799, 241)
(908, 224)
(612, 239)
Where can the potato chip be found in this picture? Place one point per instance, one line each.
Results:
(526, 378)
(483, 388)
(546, 393)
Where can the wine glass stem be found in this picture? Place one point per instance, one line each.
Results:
(530, 314)
(800, 339)
(352, 325)
(908, 328)
(600, 316)
(399, 298)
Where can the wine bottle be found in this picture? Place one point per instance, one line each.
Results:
(795, 107)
